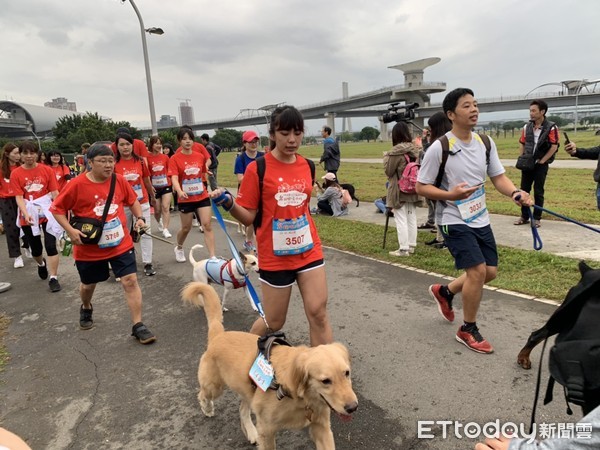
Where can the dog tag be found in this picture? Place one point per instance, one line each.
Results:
(261, 372)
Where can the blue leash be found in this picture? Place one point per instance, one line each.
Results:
(537, 241)
(249, 289)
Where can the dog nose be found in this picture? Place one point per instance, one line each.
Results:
(351, 407)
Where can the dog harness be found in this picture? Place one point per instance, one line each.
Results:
(221, 271)
(265, 345)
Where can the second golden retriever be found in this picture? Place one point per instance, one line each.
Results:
(316, 380)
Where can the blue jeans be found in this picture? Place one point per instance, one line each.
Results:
(598, 196)
(380, 204)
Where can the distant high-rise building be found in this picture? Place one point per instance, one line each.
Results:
(61, 103)
(186, 112)
(167, 121)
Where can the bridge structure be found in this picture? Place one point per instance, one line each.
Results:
(22, 119)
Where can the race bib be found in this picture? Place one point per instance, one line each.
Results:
(261, 372)
(291, 236)
(473, 207)
(193, 186)
(138, 191)
(112, 234)
(160, 181)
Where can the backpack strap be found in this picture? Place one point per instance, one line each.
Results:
(446, 151)
(261, 166)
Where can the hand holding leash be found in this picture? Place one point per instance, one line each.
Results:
(223, 198)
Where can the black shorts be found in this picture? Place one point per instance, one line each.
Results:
(470, 246)
(191, 207)
(285, 278)
(92, 272)
(162, 191)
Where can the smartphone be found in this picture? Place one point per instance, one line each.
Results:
(567, 141)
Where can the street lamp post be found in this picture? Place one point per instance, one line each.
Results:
(152, 30)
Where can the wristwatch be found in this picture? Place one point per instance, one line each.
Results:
(516, 191)
(140, 218)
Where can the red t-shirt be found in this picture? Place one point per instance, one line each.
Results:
(159, 170)
(32, 183)
(139, 148)
(134, 171)
(199, 148)
(287, 237)
(6, 190)
(189, 170)
(87, 199)
(60, 172)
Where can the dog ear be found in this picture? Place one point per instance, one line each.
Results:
(242, 256)
(300, 374)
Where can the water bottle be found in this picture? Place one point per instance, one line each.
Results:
(67, 246)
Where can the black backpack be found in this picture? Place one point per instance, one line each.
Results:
(574, 360)
(446, 151)
(261, 166)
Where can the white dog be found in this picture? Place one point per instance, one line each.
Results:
(222, 271)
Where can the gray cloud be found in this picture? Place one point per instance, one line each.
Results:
(231, 55)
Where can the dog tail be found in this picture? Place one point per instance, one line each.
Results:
(202, 295)
(191, 256)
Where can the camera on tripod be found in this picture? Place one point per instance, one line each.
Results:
(402, 113)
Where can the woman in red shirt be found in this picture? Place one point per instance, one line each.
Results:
(11, 159)
(289, 248)
(158, 164)
(56, 162)
(135, 171)
(186, 168)
(34, 185)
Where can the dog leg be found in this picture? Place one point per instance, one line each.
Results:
(246, 421)
(322, 436)
(211, 386)
(534, 339)
(225, 291)
(266, 435)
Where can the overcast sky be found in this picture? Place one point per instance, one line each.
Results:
(230, 55)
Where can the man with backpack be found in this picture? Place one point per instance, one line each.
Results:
(537, 147)
(465, 222)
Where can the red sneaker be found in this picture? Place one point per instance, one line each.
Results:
(474, 340)
(444, 306)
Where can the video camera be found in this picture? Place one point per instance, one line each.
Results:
(406, 113)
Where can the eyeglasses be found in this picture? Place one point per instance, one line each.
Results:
(104, 162)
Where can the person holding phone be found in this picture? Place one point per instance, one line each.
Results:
(586, 153)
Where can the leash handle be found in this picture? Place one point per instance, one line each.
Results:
(249, 289)
(537, 240)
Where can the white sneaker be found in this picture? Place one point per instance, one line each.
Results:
(195, 223)
(179, 255)
(400, 253)
(166, 234)
(18, 262)
(160, 225)
(26, 252)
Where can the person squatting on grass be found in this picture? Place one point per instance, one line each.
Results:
(329, 200)
(464, 218)
(289, 247)
(404, 206)
(86, 197)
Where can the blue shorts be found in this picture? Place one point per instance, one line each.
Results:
(92, 272)
(470, 246)
(285, 278)
(191, 207)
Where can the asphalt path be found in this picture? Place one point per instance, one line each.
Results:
(64, 388)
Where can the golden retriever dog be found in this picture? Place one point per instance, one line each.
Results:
(316, 380)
